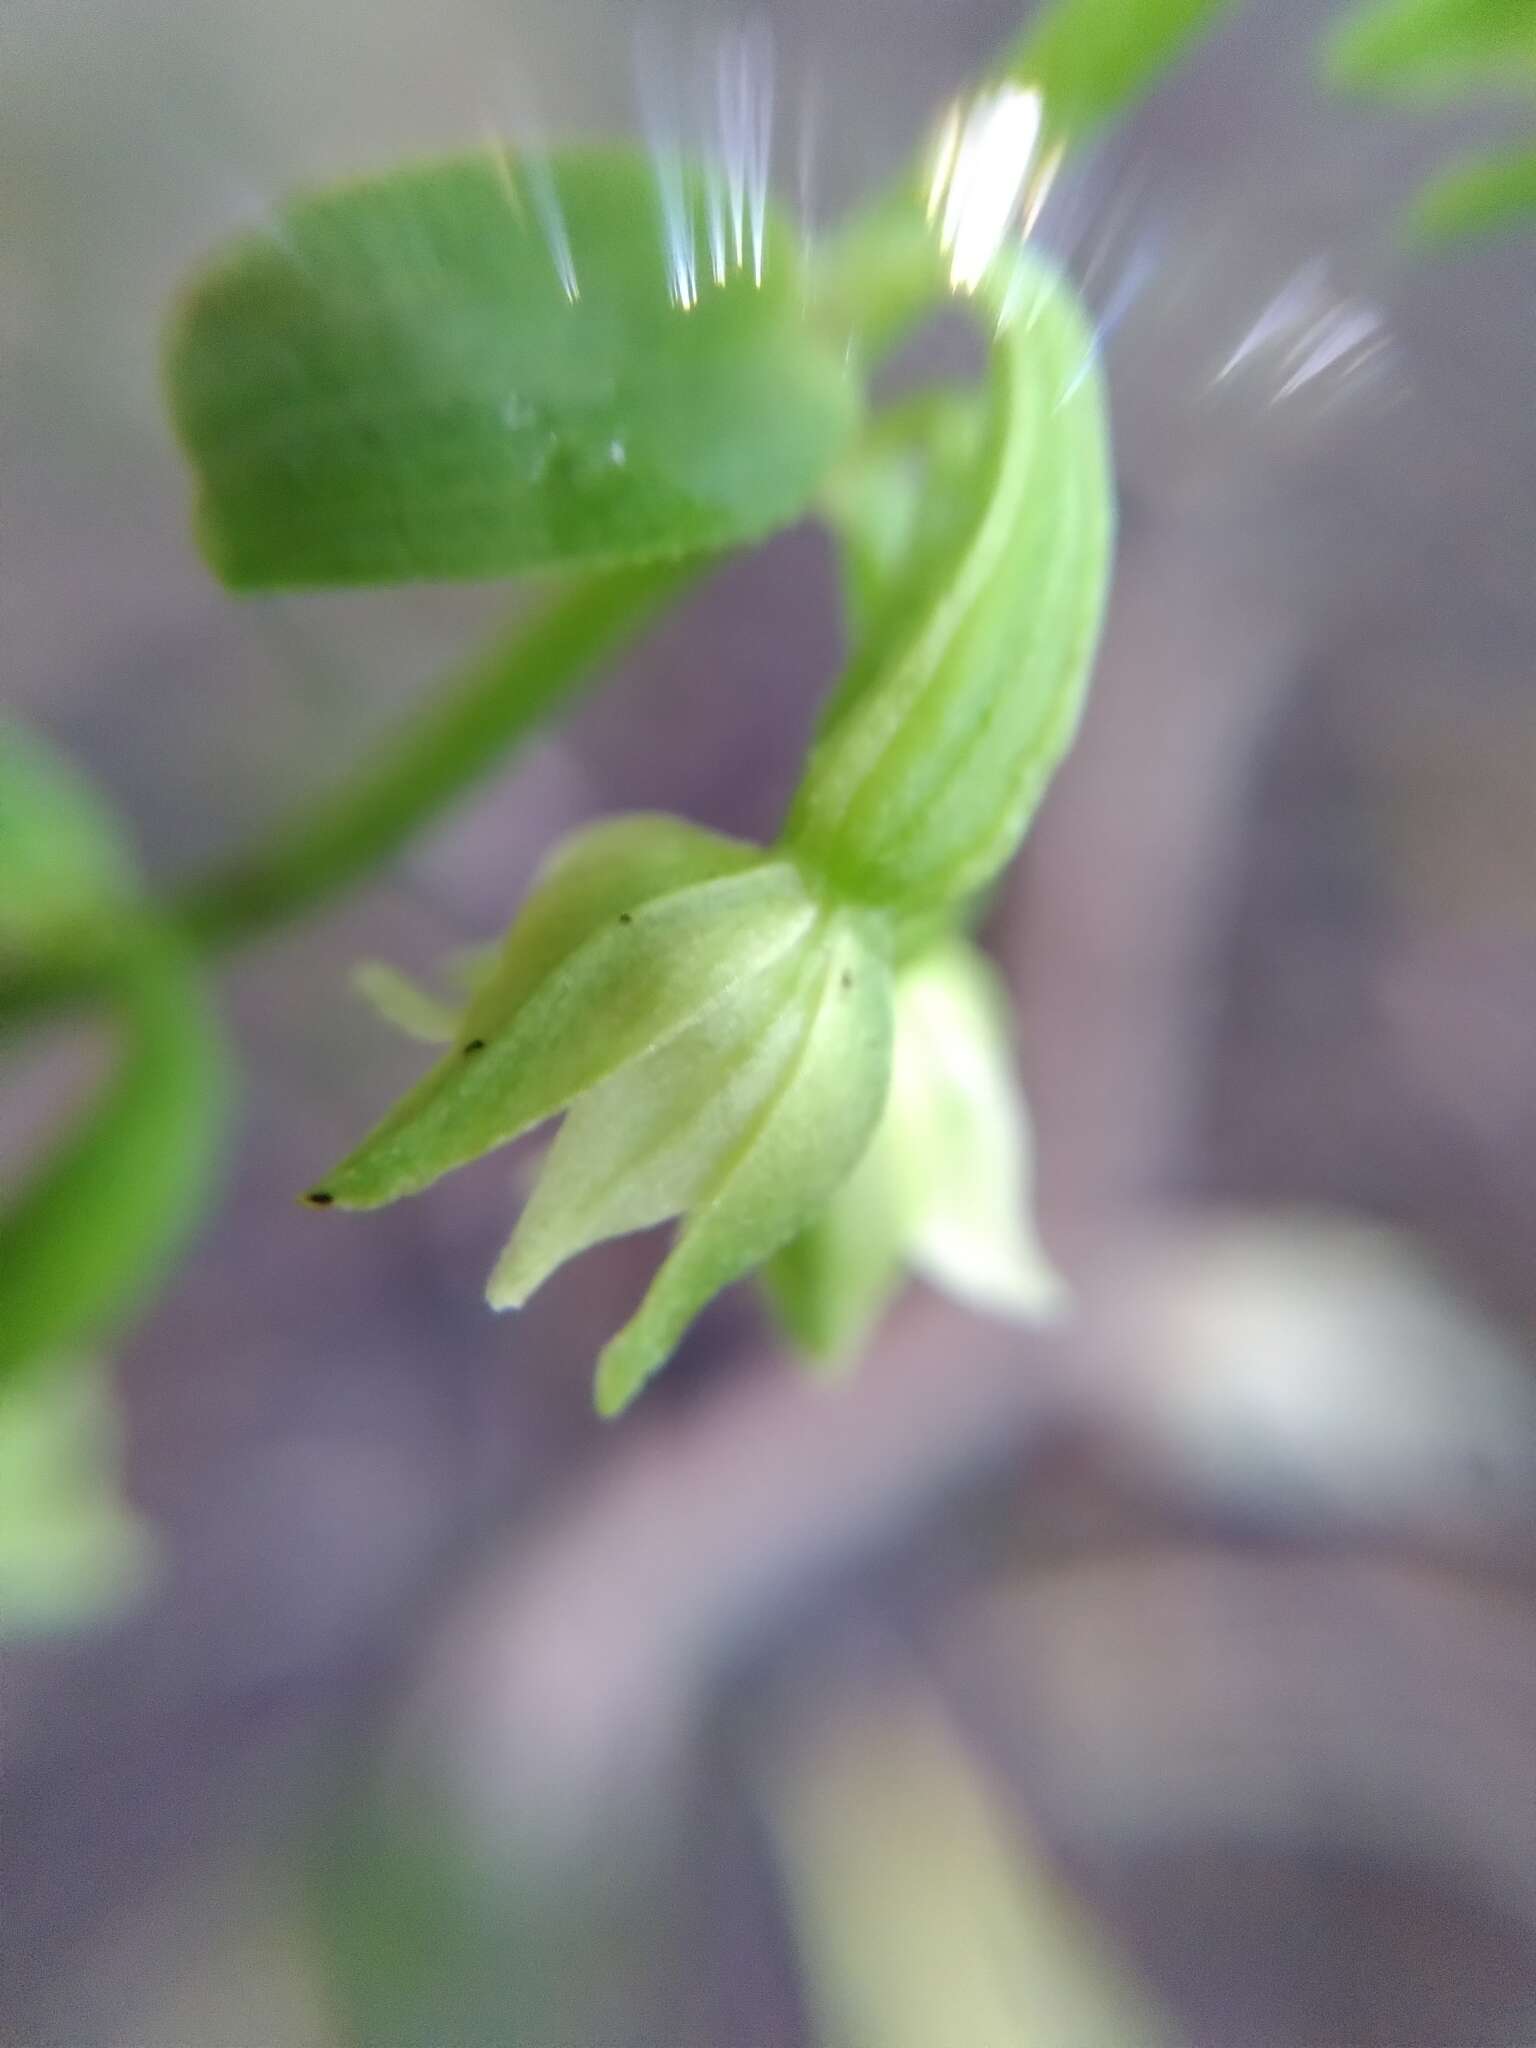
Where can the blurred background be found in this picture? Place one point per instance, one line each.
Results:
(1171, 1677)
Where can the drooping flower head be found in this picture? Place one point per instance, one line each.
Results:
(718, 1037)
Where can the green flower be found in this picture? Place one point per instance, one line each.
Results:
(944, 1187)
(719, 1036)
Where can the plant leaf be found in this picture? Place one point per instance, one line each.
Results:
(483, 365)
(1433, 49)
(1485, 197)
(922, 1911)
(1090, 59)
(807, 1140)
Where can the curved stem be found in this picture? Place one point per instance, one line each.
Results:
(85, 1239)
(467, 727)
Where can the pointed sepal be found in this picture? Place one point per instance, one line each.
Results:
(945, 1188)
(788, 1161)
(635, 929)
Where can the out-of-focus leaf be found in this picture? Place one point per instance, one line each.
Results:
(1091, 59)
(70, 1552)
(486, 365)
(427, 1939)
(85, 1239)
(1477, 199)
(920, 1916)
(1434, 49)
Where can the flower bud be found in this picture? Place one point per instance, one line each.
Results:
(720, 1037)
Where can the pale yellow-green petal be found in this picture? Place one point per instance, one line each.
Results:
(638, 980)
(805, 1142)
(410, 1008)
(591, 878)
(643, 1146)
(960, 1129)
(830, 1285)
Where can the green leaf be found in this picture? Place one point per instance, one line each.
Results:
(922, 1912)
(1433, 49)
(804, 1143)
(1487, 197)
(85, 1240)
(970, 683)
(586, 986)
(1090, 59)
(488, 365)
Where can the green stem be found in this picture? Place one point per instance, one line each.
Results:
(882, 273)
(85, 1239)
(469, 725)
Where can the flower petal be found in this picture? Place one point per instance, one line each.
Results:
(588, 881)
(644, 1146)
(632, 984)
(806, 1140)
(830, 1285)
(405, 1004)
(961, 1132)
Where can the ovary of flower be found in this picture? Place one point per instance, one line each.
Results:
(986, 157)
